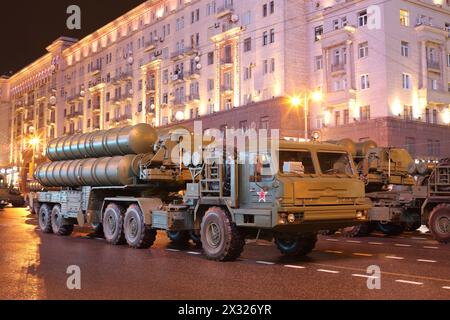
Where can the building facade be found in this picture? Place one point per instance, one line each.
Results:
(5, 110)
(382, 66)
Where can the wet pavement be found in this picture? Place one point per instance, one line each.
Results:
(34, 266)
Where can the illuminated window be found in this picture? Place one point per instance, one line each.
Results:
(364, 113)
(404, 18)
(318, 32)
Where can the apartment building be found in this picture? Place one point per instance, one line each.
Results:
(384, 70)
(382, 66)
(5, 111)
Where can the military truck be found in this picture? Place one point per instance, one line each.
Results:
(127, 181)
(404, 193)
(9, 195)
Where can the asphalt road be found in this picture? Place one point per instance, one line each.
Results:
(34, 266)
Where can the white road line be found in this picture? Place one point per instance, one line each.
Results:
(194, 253)
(294, 267)
(403, 245)
(328, 271)
(332, 251)
(363, 254)
(265, 263)
(418, 238)
(434, 248)
(427, 261)
(376, 243)
(446, 288)
(353, 241)
(333, 240)
(173, 250)
(395, 258)
(364, 276)
(410, 282)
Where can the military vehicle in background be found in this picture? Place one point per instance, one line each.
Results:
(9, 195)
(126, 181)
(404, 193)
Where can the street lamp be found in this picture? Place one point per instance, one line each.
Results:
(34, 143)
(307, 96)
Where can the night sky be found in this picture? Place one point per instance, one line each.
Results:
(27, 27)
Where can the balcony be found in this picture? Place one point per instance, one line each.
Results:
(126, 97)
(75, 114)
(51, 122)
(151, 89)
(226, 62)
(434, 65)
(123, 119)
(194, 74)
(96, 108)
(338, 68)
(227, 90)
(178, 55)
(224, 31)
(193, 98)
(122, 77)
(227, 9)
(96, 70)
(178, 78)
(150, 45)
(190, 51)
(179, 102)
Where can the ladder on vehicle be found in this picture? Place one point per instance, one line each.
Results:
(212, 182)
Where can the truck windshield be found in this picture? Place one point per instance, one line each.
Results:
(296, 162)
(335, 163)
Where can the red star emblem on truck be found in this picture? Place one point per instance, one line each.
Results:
(262, 196)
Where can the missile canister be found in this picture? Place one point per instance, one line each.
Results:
(127, 140)
(107, 171)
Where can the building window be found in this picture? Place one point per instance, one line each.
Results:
(337, 118)
(365, 84)
(404, 18)
(448, 60)
(336, 24)
(427, 115)
(248, 45)
(265, 38)
(364, 113)
(265, 10)
(247, 73)
(435, 116)
(272, 35)
(265, 67)
(272, 65)
(434, 84)
(406, 81)
(264, 123)
(319, 63)
(210, 84)
(318, 32)
(344, 21)
(363, 50)
(362, 18)
(410, 143)
(210, 58)
(346, 116)
(405, 49)
(408, 113)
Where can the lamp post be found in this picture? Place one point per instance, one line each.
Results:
(34, 142)
(296, 101)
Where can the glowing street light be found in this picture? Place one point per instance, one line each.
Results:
(296, 101)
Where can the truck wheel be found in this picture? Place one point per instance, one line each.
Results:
(137, 234)
(362, 230)
(440, 223)
(220, 237)
(296, 245)
(390, 229)
(113, 224)
(57, 223)
(179, 238)
(45, 220)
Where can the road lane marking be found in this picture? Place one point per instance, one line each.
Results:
(446, 288)
(426, 261)
(395, 258)
(409, 282)
(353, 241)
(403, 245)
(194, 253)
(173, 250)
(363, 254)
(418, 238)
(333, 251)
(294, 267)
(328, 271)
(434, 248)
(333, 240)
(265, 263)
(364, 276)
(376, 243)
